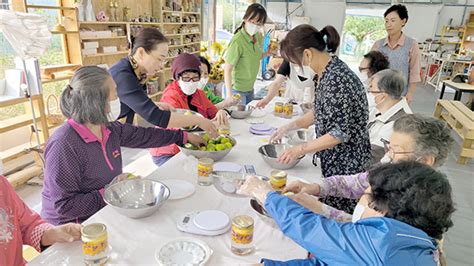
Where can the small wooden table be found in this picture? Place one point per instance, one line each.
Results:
(459, 87)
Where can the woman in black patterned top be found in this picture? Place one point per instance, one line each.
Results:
(340, 108)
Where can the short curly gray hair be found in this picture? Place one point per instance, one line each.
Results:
(432, 137)
(86, 97)
(391, 82)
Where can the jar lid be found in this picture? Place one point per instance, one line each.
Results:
(206, 160)
(278, 173)
(242, 221)
(94, 230)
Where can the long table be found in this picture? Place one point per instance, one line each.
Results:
(135, 241)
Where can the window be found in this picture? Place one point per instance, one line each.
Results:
(4, 4)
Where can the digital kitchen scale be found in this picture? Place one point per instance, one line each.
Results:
(208, 223)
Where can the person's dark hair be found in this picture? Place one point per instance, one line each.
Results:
(432, 137)
(306, 36)
(400, 9)
(413, 193)
(377, 61)
(254, 11)
(205, 62)
(148, 39)
(86, 97)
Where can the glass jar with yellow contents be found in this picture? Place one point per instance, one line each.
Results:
(205, 167)
(223, 130)
(242, 235)
(278, 179)
(95, 246)
(278, 109)
(288, 110)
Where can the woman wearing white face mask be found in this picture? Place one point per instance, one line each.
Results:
(84, 155)
(298, 81)
(399, 220)
(340, 113)
(244, 54)
(183, 93)
(385, 91)
(415, 138)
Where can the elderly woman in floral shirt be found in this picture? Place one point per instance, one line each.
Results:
(340, 108)
(415, 137)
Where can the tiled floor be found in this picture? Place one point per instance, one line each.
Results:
(459, 241)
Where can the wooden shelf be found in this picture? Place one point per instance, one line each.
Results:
(146, 23)
(16, 122)
(103, 38)
(51, 7)
(65, 32)
(56, 79)
(102, 23)
(170, 11)
(182, 34)
(17, 101)
(192, 43)
(173, 23)
(106, 54)
(17, 151)
(175, 46)
(191, 13)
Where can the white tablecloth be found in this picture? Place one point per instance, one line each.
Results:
(135, 241)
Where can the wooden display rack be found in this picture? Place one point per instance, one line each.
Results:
(12, 154)
(467, 42)
(72, 44)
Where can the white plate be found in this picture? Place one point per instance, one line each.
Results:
(258, 113)
(179, 189)
(183, 251)
(227, 166)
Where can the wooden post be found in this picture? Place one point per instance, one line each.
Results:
(18, 5)
(213, 21)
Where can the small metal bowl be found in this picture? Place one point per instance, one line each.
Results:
(215, 155)
(299, 136)
(228, 183)
(190, 112)
(259, 208)
(271, 152)
(240, 111)
(136, 198)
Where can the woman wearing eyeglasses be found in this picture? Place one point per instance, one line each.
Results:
(183, 93)
(385, 94)
(373, 62)
(148, 53)
(415, 138)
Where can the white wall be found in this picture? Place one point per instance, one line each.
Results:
(422, 21)
(321, 13)
(454, 12)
